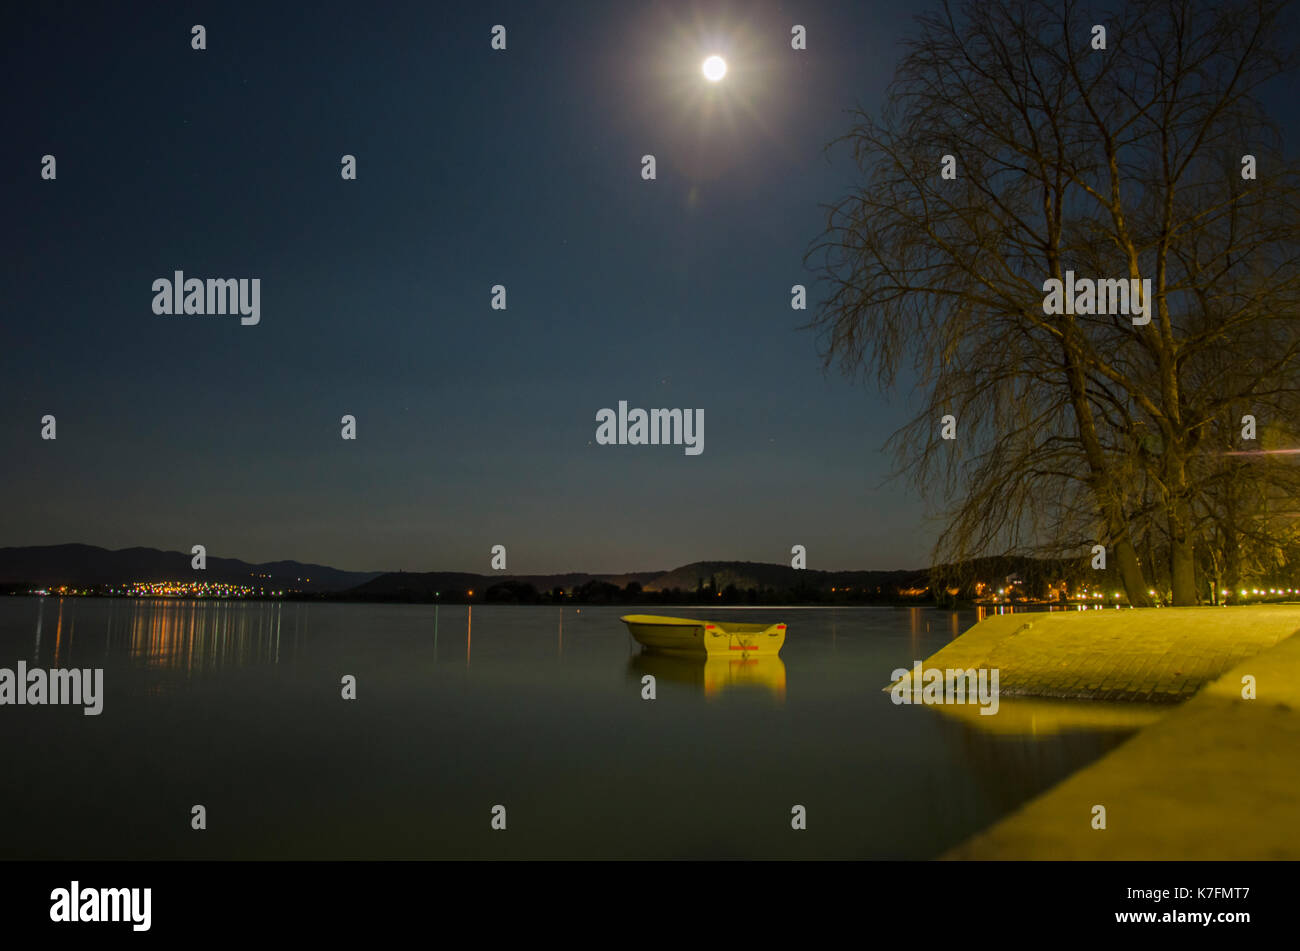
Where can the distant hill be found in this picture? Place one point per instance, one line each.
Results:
(48, 565)
(715, 576)
(452, 585)
(715, 582)
(748, 574)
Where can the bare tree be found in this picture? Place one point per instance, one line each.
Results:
(1121, 159)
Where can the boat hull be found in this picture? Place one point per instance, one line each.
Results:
(691, 638)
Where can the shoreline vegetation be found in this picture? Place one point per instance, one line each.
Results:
(673, 597)
(997, 582)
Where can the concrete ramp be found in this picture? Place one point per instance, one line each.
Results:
(1217, 778)
(1156, 655)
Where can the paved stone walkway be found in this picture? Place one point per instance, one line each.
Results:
(1218, 778)
(1160, 655)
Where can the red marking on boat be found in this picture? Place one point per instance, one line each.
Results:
(745, 647)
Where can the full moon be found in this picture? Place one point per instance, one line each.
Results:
(715, 67)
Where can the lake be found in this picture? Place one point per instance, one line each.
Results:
(237, 706)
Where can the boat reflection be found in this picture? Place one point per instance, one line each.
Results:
(712, 674)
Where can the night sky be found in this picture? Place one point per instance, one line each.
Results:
(475, 427)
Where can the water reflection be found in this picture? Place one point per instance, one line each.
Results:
(189, 636)
(713, 674)
(1010, 767)
(257, 679)
(1033, 716)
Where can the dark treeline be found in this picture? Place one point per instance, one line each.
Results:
(947, 585)
(1005, 579)
(604, 592)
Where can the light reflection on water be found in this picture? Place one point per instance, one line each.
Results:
(193, 636)
(237, 705)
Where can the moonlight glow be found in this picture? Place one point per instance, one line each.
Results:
(715, 67)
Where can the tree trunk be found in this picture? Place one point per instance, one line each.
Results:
(1182, 570)
(1232, 565)
(1130, 572)
(1231, 546)
(1182, 555)
(1182, 541)
(1102, 479)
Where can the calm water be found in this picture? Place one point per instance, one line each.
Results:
(237, 706)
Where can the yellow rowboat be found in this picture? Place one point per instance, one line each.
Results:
(683, 636)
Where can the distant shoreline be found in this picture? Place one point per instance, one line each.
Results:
(658, 605)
